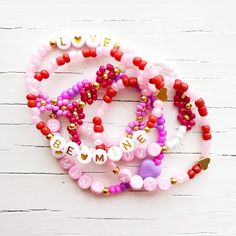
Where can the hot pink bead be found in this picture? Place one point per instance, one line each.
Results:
(163, 183)
(75, 172)
(140, 152)
(153, 149)
(66, 163)
(150, 184)
(85, 182)
(97, 187)
(128, 156)
(136, 182)
(54, 125)
(124, 175)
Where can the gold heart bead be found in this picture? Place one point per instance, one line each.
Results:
(204, 162)
(77, 39)
(162, 94)
(84, 156)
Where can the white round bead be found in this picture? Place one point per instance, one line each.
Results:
(140, 137)
(78, 41)
(92, 41)
(84, 155)
(114, 153)
(170, 144)
(175, 141)
(71, 149)
(136, 182)
(63, 43)
(99, 156)
(179, 135)
(127, 145)
(57, 143)
(182, 129)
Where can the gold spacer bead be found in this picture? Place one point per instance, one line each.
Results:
(164, 148)
(136, 128)
(129, 135)
(52, 115)
(81, 104)
(53, 43)
(117, 71)
(96, 85)
(143, 98)
(139, 118)
(75, 113)
(89, 94)
(63, 108)
(54, 101)
(147, 129)
(72, 126)
(116, 171)
(186, 117)
(173, 180)
(117, 45)
(43, 102)
(106, 191)
(49, 136)
(105, 76)
(188, 105)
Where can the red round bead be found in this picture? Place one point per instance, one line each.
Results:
(200, 103)
(177, 84)
(31, 97)
(184, 87)
(118, 55)
(107, 99)
(45, 74)
(60, 61)
(196, 168)
(137, 61)
(32, 103)
(133, 82)
(111, 92)
(206, 136)
(45, 130)
(142, 65)
(93, 52)
(98, 128)
(159, 86)
(38, 76)
(97, 120)
(191, 174)
(149, 124)
(156, 80)
(102, 146)
(152, 118)
(125, 81)
(202, 111)
(86, 52)
(206, 129)
(113, 51)
(40, 125)
(66, 57)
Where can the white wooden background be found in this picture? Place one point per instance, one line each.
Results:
(197, 37)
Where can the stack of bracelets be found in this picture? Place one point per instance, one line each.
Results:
(134, 73)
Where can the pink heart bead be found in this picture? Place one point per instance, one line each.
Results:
(85, 182)
(75, 172)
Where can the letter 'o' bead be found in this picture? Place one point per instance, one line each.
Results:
(163, 183)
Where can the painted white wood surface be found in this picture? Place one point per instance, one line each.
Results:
(198, 38)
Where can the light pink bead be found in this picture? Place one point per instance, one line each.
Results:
(124, 175)
(50, 69)
(150, 184)
(35, 111)
(157, 112)
(120, 84)
(140, 152)
(73, 55)
(54, 125)
(97, 187)
(106, 51)
(205, 149)
(98, 142)
(75, 172)
(192, 95)
(66, 163)
(128, 156)
(99, 51)
(204, 121)
(136, 182)
(30, 68)
(82, 129)
(85, 182)
(54, 65)
(153, 149)
(35, 119)
(163, 183)
(35, 62)
(100, 112)
(158, 104)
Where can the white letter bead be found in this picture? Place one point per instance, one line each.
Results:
(58, 154)
(78, 41)
(99, 156)
(92, 41)
(127, 145)
(84, 155)
(140, 137)
(71, 149)
(63, 43)
(114, 153)
(153, 149)
(57, 143)
(136, 182)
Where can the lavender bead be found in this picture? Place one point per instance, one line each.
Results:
(75, 89)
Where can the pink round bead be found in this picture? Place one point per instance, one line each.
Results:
(163, 183)
(54, 125)
(124, 175)
(153, 149)
(85, 182)
(150, 184)
(97, 187)
(75, 172)
(66, 163)
(128, 156)
(140, 152)
(136, 182)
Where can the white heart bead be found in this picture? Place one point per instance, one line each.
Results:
(78, 41)
(58, 154)
(84, 155)
(114, 153)
(140, 137)
(57, 143)
(99, 156)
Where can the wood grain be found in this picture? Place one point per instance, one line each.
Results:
(196, 37)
